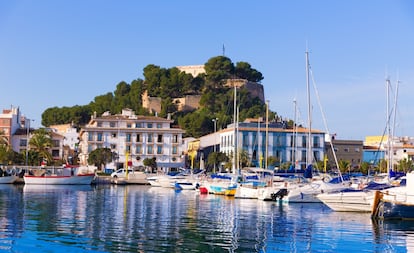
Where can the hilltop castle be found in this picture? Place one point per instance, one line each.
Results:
(192, 102)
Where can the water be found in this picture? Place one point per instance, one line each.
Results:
(108, 218)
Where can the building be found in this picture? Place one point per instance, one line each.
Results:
(287, 145)
(377, 148)
(10, 122)
(345, 150)
(138, 136)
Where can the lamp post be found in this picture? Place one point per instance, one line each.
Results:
(214, 147)
(27, 123)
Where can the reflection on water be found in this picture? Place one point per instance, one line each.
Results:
(143, 219)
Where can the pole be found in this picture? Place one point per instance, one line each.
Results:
(309, 147)
(27, 123)
(267, 132)
(215, 138)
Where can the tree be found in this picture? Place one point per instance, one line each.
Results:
(40, 142)
(100, 157)
(245, 71)
(365, 167)
(150, 162)
(344, 166)
(216, 158)
(405, 165)
(272, 161)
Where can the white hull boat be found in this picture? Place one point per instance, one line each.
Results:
(61, 176)
(351, 200)
(8, 179)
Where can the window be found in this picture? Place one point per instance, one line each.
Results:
(174, 150)
(138, 125)
(149, 125)
(112, 124)
(128, 148)
(90, 137)
(99, 124)
(138, 149)
(149, 150)
(149, 138)
(128, 137)
(316, 141)
(129, 125)
(99, 137)
(55, 143)
(159, 125)
(138, 138)
(23, 143)
(303, 156)
(346, 149)
(159, 149)
(304, 142)
(175, 138)
(159, 138)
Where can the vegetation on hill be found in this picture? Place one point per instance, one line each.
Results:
(217, 100)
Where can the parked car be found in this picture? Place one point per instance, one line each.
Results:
(120, 173)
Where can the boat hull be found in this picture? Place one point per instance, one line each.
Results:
(60, 180)
(358, 201)
(8, 179)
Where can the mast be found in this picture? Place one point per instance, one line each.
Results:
(389, 165)
(393, 124)
(259, 152)
(294, 136)
(309, 146)
(235, 130)
(267, 132)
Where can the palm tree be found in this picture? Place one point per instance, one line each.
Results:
(405, 165)
(3, 139)
(41, 142)
(344, 166)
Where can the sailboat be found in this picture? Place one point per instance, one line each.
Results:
(362, 200)
(308, 192)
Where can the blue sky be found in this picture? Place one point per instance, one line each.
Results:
(64, 53)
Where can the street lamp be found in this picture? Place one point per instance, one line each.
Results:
(27, 123)
(215, 129)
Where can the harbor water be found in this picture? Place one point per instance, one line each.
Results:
(111, 218)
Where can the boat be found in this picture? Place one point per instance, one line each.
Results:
(8, 179)
(396, 203)
(253, 180)
(308, 193)
(9, 176)
(67, 175)
(219, 183)
(352, 200)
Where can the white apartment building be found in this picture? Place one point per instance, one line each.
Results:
(138, 136)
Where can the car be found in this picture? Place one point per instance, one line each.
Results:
(120, 173)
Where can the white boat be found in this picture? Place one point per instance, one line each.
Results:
(253, 181)
(308, 193)
(221, 183)
(8, 179)
(9, 176)
(168, 181)
(61, 176)
(352, 200)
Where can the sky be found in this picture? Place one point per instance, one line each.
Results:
(64, 53)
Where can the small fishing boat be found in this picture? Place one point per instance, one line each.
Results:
(61, 176)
